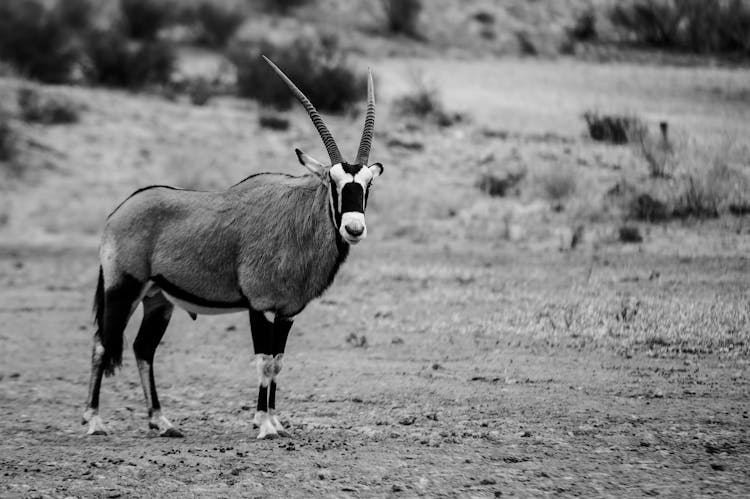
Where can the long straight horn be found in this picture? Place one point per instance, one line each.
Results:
(366, 143)
(331, 147)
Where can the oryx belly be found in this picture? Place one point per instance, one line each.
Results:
(201, 309)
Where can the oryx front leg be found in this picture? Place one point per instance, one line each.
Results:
(157, 311)
(269, 341)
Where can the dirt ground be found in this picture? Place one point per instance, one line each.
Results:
(477, 379)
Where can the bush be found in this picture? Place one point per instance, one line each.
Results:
(402, 16)
(284, 6)
(700, 26)
(314, 65)
(143, 19)
(584, 28)
(424, 103)
(630, 234)
(37, 41)
(115, 61)
(273, 122)
(558, 184)
(500, 185)
(48, 110)
(8, 140)
(75, 14)
(614, 129)
(658, 153)
(217, 23)
(648, 208)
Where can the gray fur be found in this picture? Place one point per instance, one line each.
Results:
(268, 239)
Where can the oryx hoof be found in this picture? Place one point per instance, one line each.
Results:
(171, 433)
(267, 430)
(96, 425)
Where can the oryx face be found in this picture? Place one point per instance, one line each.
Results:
(350, 186)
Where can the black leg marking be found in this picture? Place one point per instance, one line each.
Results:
(262, 332)
(281, 329)
(272, 395)
(262, 398)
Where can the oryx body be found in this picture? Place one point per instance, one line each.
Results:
(267, 245)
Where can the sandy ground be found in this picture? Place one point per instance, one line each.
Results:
(495, 364)
(475, 381)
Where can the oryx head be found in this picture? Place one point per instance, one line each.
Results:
(348, 183)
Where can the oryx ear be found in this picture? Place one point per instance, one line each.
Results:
(376, 169)
(316, 167)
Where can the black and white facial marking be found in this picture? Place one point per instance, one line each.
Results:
(350, 185)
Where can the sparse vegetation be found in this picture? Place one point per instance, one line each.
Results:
(699, 26)
(46, 109)
(614, 128)
(316, 66)
(658, 153)
(402, 16)
(144, 19)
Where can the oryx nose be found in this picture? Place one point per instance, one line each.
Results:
(355, 229)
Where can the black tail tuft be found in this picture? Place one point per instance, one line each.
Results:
(110, 337)
(99, 302)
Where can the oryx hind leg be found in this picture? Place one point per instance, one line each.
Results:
(157, 311)
(113, 306)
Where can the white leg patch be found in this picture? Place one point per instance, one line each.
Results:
(277, 365)
(267, 429)
(265, 365)
(96, 425)
(277, 425)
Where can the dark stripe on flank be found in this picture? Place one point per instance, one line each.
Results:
(183, 295)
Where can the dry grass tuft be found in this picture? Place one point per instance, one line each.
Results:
(614, 128)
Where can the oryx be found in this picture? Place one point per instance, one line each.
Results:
(267, 245)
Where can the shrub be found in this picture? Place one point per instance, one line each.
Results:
(115, 61)
(284, 6)
(75, 14)
(614, 129)
(143, 19)
(701, 26)
(37, 41)
(658, 153)
(48, 110)
(525, 45)
(273, 122)
(402, 16)
(8, 140)
(558, 184)
(648, 208)
(500, 185)
(584, 28)
(424, 103)
(652, 22)
(314, 65)
(630, 234)
(217, 23)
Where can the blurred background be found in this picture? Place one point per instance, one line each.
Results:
(541, 122)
